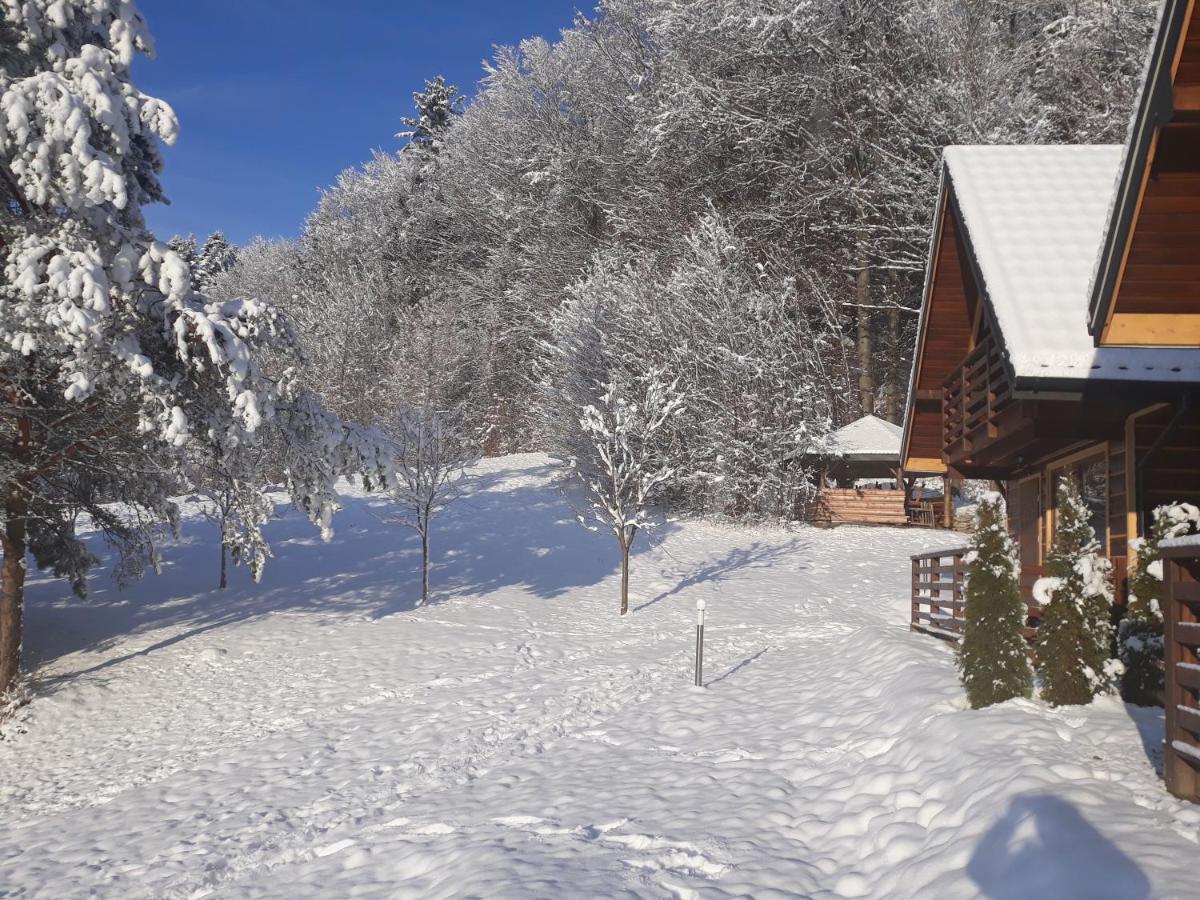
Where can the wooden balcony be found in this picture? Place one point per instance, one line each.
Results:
(974, 400)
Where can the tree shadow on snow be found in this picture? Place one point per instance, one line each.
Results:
(1043, 847)
(498, 535)
(756, 556)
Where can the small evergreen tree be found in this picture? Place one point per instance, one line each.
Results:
(1140, 635)
(436, 107)
(1076, 595)
(993, 659)
(216, 257)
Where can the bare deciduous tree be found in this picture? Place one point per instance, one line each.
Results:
(431, 456)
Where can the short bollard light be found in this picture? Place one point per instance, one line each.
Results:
(699, 643)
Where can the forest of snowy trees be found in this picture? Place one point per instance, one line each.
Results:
(740, 191)
(689, 235)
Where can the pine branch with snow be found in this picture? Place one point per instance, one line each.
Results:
(113, 366)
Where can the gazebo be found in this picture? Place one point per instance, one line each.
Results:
(859, 479)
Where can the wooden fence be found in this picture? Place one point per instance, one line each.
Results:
(1181, 749)
(937, 593)
(938, 601)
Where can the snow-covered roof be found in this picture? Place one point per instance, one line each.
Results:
(1036, 217)
(868, 438)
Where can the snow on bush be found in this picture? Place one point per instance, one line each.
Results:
(1140, 633)
(993, 657)
(1076, 594)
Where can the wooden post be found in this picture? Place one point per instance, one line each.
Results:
(916, 593)
(947, 502)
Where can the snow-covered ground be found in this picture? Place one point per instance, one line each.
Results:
(318, 736)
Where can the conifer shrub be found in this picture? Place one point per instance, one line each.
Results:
(1140, 634)
(993, 659)
(1075, 635)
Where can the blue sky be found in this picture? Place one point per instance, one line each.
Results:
(276, 97)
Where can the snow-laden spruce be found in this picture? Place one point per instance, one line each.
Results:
(993, 657)
(1076, 593)
(115, 373)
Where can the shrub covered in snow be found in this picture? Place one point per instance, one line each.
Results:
(993, 658)
(1140, 635)
(1076, 594)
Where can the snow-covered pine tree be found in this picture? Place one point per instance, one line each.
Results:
(994, 658)
(185, 246)
(436, 105)
(216, 257)
(110, 362)
(1140, 633)
(1076, 593)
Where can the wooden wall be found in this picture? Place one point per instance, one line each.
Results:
(945, 340)
(1173, 473)
(851, 506)
(1157, 299)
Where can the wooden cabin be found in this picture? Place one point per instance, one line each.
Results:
(1008, 383)
(1060, 331)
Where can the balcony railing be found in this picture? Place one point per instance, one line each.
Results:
(939, 595)
(973, 398)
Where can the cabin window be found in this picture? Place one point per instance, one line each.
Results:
(1090, 474)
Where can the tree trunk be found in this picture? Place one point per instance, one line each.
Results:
(895, 383)
(425, 566)
(624, 574)
(224, 578)
(12, 569)
(866, 363)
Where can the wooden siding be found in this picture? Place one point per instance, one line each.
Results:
(944, 340)
(851, 506)
(1157, 295)
(1173, 473)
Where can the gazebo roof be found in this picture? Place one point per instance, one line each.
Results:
(869, 439)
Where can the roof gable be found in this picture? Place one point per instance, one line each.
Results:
(1034, 218)
(1146, 285)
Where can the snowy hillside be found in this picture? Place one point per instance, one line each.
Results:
(317, 735)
